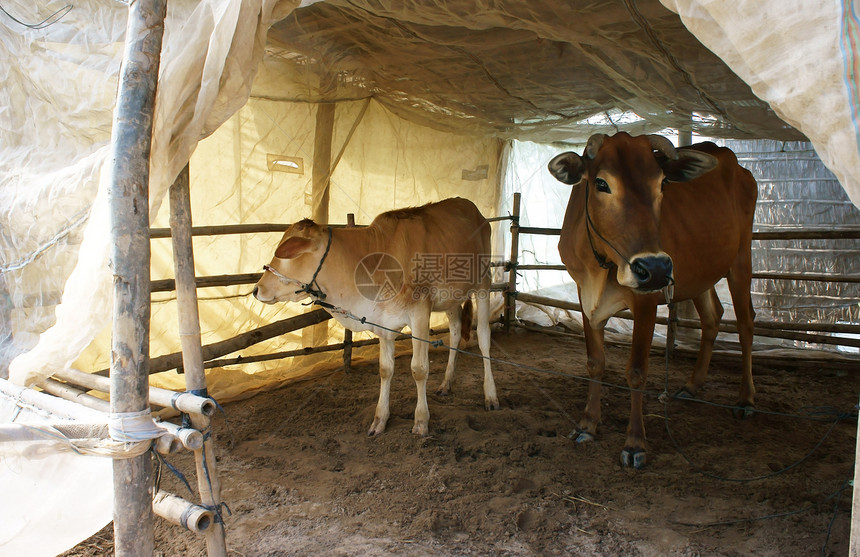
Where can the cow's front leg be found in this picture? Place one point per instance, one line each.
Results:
(644, 318)
(595, 364)
(386, 372)
(420, 325)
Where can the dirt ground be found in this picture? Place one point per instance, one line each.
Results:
(301, 477)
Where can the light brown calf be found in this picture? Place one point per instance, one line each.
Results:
(406, 264)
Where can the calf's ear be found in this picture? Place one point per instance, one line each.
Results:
(293, 247)
(689, 165)
(567, 168)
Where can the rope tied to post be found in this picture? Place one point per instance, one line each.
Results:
(133, 427)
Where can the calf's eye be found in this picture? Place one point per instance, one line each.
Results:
(601, 185)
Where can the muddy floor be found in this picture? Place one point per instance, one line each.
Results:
(301, 477)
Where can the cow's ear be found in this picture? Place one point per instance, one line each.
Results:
(293, 247)
(690, 164)
(567, 168)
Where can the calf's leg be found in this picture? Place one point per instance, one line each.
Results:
(386, 372)
(491, 399)
(420, 324)
(455, 332)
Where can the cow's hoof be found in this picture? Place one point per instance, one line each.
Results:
(581, 436)
(420, 430)
(491, 404)
(633, 458)
(743, 411)
(443, 392)
(685, 394)
(376, 428)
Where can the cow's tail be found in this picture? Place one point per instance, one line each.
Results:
(466, 321)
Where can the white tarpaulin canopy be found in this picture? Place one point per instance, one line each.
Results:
(448, 82)
(426, 95)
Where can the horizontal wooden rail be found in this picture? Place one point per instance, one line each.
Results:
(817, 277)
(790, 331)
(227, 229)
(168, 285)
(793, 234)
(221, 230)
(218, 349)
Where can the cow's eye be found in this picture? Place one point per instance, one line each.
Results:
(601, 185)
(663, 183)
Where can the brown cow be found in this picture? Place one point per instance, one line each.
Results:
(633, 237)
(394, 273)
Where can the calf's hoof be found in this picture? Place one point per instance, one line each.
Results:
(743, 411)
(376, 428)
(633, 458)
(491, 404)
(443, 392)
(420, 430)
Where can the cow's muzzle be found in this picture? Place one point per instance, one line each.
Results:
(652, 272)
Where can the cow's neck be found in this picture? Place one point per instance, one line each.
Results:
(336, 275)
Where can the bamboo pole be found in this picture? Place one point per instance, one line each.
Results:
(347, 334)
(854, 536)
(128, 196)
(789, 234)
(244, 340)
(685, 137)
(320, 182)
(511, 293)
(227, 229)
(184, 402)
(179, 511)
(771, 330)
(805, 233)
(208, 483)
(70, 393)
(189, 437)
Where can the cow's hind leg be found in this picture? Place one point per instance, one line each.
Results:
(420, 324)
(710, 312)
(491, 399)
(386, 372)
(739, 279)
(455, 334)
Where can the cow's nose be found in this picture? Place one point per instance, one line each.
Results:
(653, 272)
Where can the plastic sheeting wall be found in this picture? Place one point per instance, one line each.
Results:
(796, 190)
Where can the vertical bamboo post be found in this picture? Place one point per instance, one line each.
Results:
(854, 536)
(321, 178)
(6, 340)
(684, 138)
(128, 196)
(511, 293)
(347, 334)
(192, 355)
